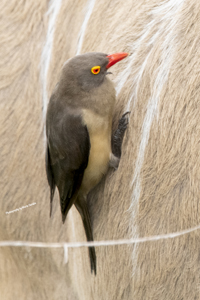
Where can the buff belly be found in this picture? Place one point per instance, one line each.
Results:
(100, 150)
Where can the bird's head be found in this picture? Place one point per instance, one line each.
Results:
(89, 70)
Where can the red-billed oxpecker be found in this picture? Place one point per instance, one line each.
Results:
(80, 147)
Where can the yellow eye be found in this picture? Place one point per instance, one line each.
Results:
(96, 69)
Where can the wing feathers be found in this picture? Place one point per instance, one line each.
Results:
(67, 154)
(50, 177)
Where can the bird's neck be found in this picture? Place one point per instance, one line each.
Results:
(100, 100)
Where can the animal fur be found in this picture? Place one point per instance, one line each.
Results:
(156, 187)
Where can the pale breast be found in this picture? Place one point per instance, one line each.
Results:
(100, 140)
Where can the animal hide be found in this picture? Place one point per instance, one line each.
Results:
(156, 188)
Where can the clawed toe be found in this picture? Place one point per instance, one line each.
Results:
(124, 119)
(119, 134)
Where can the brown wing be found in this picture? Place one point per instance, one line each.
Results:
(68, 147)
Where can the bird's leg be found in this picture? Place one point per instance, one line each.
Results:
(117, 140)
(114, 161)
(81, 205)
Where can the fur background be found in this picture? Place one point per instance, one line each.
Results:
(156, 188)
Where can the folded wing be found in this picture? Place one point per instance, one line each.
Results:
(67, 153)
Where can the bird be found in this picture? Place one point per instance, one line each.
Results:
(79, 133)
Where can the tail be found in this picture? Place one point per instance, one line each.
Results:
(81, 205)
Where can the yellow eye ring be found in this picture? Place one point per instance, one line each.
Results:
(95, 70)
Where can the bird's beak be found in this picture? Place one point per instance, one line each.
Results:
(114, 58)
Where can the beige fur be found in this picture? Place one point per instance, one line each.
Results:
(156, 188)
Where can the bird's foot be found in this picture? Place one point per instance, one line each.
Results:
(118, 136)
(123, 122)
(114, 161)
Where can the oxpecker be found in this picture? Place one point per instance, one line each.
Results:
(80, 145)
